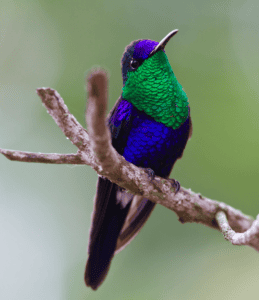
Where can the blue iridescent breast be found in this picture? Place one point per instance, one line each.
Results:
(151, 144)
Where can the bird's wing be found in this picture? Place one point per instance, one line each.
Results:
(189, 133)
(140, 208)
(190, 120)
(119, 121)
(139, 211)
(111, 205)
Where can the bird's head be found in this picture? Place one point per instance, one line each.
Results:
(150, 84)
(139, 52)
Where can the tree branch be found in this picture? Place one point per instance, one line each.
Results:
(46, 158)
(96, 151)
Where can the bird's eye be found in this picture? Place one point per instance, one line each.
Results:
(134, 64)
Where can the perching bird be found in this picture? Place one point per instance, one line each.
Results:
(150, 125)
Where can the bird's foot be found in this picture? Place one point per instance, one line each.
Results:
(175, 184)
(151, 174)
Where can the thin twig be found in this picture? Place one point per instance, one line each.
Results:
(99, 135)
(249, 237)
(46, 158)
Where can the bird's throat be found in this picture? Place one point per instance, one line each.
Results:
(154, 89)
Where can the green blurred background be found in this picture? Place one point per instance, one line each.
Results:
(45, 210)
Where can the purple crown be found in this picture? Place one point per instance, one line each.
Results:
(144, 48)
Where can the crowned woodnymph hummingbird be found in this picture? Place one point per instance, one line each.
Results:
(150, 125)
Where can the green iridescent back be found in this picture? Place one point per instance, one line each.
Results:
(154, 89)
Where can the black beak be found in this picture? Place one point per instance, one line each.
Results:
(163, 42)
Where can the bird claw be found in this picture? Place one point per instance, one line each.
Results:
(175, 184)
(151, 174)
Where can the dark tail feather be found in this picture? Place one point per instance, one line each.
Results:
(107, 221)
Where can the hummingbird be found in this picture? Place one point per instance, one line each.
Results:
(150, 125)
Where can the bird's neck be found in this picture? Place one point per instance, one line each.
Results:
(154, 89)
